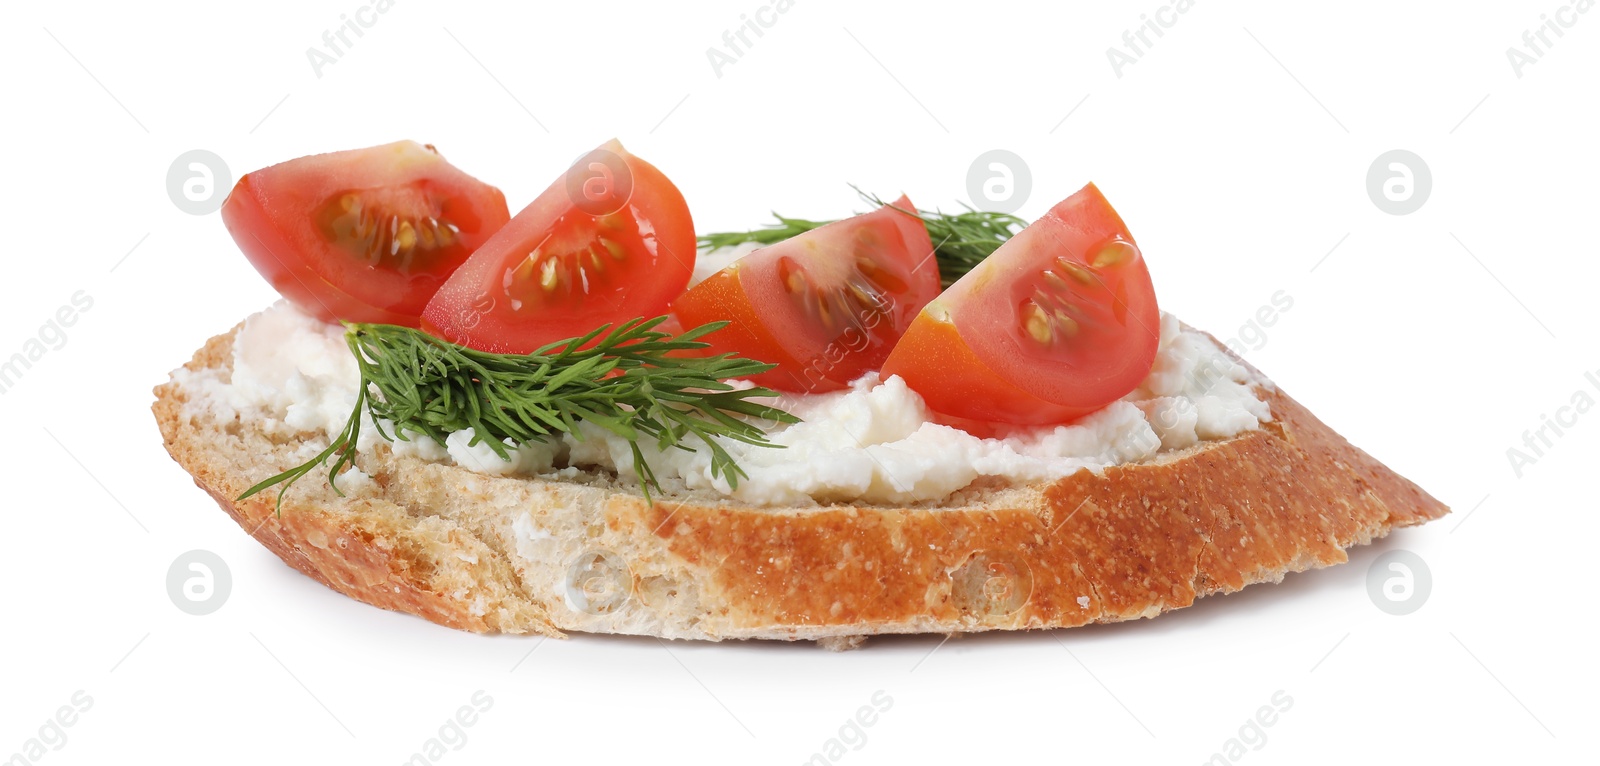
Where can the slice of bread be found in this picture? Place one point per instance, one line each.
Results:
(531, 555)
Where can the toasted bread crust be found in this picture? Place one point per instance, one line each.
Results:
(1133, 542)
(370, 550)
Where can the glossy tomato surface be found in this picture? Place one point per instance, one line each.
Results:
(611, 240)
(825, 306)
(1059, 322)
(367, 235)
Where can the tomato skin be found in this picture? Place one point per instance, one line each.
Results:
(971, 353)
(272, 215)
(720, 298)
(494, 301)
(960, 388)
(819, 337)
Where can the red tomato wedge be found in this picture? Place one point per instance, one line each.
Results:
(609, 241)
(367, 235)
(824, 306)
(1057, 323)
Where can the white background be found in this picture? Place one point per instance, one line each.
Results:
(1237, 150)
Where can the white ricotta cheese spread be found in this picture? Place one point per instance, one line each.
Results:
(874, 442)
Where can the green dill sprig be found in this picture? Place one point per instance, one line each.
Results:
(960, 240)
(770, 234)
(629, 380)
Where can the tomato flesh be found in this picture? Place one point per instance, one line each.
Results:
(1059, 322)
(366, 235)
(824, 306)
(609, 241)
